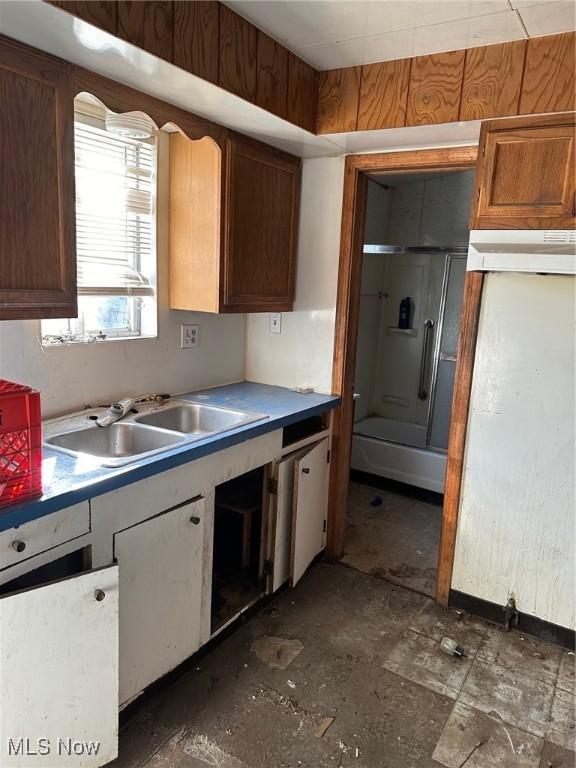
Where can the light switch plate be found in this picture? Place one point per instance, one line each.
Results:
(275, 322)
(189, 337)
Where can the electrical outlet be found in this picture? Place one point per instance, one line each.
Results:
(189, 337)
(275, 322)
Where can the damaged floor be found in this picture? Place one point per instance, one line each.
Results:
(345, 670)
(393, 536)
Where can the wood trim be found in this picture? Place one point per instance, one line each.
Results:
(458, 426)
(347, 310)
(122, 98)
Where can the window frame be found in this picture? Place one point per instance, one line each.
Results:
(77, 333)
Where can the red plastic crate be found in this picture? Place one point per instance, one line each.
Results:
(20, 443)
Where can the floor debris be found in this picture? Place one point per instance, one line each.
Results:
(276, 652)
(371, 661)
(323, 727)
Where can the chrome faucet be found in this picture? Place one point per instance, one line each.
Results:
(116, 412)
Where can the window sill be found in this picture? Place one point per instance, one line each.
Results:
(58, 344)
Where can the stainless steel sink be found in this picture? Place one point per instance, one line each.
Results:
(196, 418)
(150, 430)
(116, 445)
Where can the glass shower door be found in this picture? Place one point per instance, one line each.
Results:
(445, 352)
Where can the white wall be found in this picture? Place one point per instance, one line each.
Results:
(373, 266)
(71, 377)
(301, 356)
(377, 213)
(516, 522)
(433, 212)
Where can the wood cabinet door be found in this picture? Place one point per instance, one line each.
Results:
(311, 472)
(59, 673)
(281, 518)
(37, 226)
(160, 594)
(262, 220)
(525, 174)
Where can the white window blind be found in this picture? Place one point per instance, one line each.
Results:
(114, 213)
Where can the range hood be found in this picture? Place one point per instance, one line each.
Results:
(522, 250)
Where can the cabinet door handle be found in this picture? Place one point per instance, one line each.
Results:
(19, 546)
(194, 520)
(99, 595)
(306, 470)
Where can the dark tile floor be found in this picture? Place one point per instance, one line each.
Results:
(398, 540)
(345, 670)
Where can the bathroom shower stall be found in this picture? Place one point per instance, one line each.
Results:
(414, 266)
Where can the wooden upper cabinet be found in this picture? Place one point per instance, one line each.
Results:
(238, 52)
(37, 226)
(196, 37)
(233, 226)
(525, 174)
(149, 24)
(263, 194)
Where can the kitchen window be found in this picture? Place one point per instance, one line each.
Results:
(115, 236)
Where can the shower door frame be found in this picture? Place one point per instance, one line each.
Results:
(357, 168)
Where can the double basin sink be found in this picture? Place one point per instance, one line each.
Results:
(148, 429)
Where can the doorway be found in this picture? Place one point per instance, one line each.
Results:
(427, 351)
(413, 269)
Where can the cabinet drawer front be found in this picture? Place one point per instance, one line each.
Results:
(18, 544)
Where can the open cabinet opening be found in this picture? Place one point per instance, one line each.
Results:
(238, 560)
(72, 564)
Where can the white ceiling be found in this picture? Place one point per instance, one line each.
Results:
(344, 33)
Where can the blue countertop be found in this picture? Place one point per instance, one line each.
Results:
(68, 480)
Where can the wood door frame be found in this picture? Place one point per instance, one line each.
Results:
(347, 312)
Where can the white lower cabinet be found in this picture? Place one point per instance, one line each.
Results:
(160, 563)
(74, 649)
(299, 515)
(59, 673)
